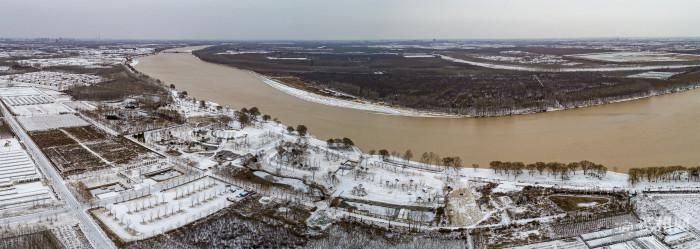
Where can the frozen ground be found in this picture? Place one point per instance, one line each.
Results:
(571, 243)
(646, 56)
(683, 206)
(166, 210)
(358, 105)
(20, 184)
(47, 122)
(654, 75)
(579, 69)
(52, 80)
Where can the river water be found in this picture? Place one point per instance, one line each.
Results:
(663, 130)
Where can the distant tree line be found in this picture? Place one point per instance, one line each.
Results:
(562, 170)
(426, 158)
(664, 174)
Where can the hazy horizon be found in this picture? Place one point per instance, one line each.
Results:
(350, 20)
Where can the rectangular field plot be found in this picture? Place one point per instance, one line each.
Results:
(41, 109)
(47, 122)
(74, 159)
(82, 149)
(27, 100)
(20, 184)
(119, 150)
(683, 206)
(622, 57)
(165, 210)
(570, 243)
(85, 133)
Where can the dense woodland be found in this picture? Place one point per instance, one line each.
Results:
(437, 85)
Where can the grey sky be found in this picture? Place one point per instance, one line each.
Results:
(348, 19)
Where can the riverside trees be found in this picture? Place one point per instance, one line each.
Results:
(664, 174)
(340, 143)
(552, 168)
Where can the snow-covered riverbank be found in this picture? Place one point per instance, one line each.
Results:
(358, 105)
(383, 109)
(566, 70)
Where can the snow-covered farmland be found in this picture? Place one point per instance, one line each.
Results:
(58, 81)
(47, 122)
(534, 68)
(231, 52)
(683, 206)
(654, 75)
(288, 58)
(521, 57)
(418, 56)
(88, 62)
(569, 243)
(356, 104)
(645, 56)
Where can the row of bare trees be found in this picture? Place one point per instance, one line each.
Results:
(426, 158)
(562, 170)
(664, 174)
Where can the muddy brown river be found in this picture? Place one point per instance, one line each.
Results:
(662, 130)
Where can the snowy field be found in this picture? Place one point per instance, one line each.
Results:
(288, 58)
(654, 75)
(19, 91)
(19, 178)
(27, 100)
(83, 61)
(522, 57)
(578, 69)
(166, 210)
(52, 80)
(572, 243)
(418, 56)
(358, 105)
(683, 206)
(41, 109)
(231, 52)
(648, 242)
(47, 122)
(647, 56)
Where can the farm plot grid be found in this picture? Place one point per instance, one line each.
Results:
(81, 149)
(65, 153)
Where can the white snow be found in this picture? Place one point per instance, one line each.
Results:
(579, 69)
(572, 243)
(47, 122)
(288, 58)
(654, 75)
(645, 56)
(19, 178)
(357, 104)
(165, 210)
(52, 80)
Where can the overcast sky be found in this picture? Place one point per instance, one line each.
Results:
(348, 19)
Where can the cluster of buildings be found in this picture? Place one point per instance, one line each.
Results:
(57, 81)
